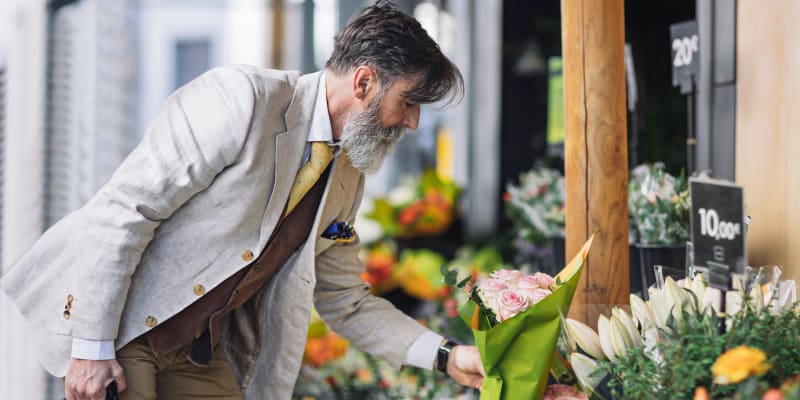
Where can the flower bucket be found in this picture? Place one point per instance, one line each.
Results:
(673, 258)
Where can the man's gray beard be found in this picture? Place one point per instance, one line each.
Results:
(368, 144)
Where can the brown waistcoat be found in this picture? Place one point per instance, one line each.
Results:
(199, 324)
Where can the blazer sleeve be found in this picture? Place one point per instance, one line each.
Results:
(344, 302)
(199, 131)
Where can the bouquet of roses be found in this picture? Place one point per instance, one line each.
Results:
(508, 293)
(516, 322)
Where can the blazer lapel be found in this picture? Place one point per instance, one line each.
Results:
(289, 147)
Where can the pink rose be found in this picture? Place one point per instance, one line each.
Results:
(563, 392)
(510, 303)
(528, 282)
(534, 295)
(507, 275)
(546, 281)
(489, 289)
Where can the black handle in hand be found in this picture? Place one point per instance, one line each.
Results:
(111, 391)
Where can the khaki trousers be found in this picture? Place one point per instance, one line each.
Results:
(172, 376)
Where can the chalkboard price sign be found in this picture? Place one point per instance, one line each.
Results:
(685, 54)
(718, 230)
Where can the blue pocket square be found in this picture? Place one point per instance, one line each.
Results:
(341, 232)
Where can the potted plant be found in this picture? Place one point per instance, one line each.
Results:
(659, 207)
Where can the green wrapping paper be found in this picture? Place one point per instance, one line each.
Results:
(517, 353)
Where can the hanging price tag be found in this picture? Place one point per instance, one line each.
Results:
(718, 230)
(685, 44)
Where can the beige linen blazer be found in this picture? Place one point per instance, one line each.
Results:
(201, 192)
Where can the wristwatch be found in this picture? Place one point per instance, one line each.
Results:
(443, 354)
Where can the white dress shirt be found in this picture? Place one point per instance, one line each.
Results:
(422, 351)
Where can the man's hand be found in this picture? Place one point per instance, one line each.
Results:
(88, 379)
(465, 367)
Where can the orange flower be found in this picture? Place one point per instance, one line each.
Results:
(701, 394)
(738, 364)
(411, 213)
(772, 394)
(322, 350)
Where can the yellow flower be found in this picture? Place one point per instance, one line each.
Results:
(738, 364)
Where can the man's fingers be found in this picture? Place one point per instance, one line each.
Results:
(88, 379)
(119, 377)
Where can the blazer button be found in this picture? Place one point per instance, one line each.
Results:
(247, 255)
(151, 321)
(199, 290)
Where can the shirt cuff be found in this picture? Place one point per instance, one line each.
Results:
(93, 349)
(422, 352)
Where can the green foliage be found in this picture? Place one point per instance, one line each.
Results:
(776, 335)
(675, 367)
(682, 359)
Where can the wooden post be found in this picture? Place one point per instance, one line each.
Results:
(596, 150)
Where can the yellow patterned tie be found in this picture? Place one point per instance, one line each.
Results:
(321, 156)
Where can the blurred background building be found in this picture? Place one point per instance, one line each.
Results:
(81, 79)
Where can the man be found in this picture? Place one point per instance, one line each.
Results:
(189, 276)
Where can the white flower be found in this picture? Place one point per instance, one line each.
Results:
(614, 338)
(621, 339)
(642, 312)
(585, 368)
(661, 304)
(711, 300)
(604, 331)
(586, 338)
(627, 322)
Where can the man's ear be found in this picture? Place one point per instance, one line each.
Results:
(364, 80)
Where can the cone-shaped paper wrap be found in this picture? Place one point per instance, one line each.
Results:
(517, 353)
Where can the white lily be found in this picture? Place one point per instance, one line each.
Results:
(681, 298)
(606, 341)
(711, 300)
(733, 302)
(585, 368)
(661, 304)
(621, 339)
(586, 338)
(629, 325)
(641, 312)
(698, 286)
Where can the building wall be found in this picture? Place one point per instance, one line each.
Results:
(23, 25)
(767, 124)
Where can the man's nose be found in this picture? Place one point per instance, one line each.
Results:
(411, 119)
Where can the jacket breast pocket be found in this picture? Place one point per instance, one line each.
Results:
(322, 245)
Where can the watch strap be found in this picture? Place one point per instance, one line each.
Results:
(443, 355)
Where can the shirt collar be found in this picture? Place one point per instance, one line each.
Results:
(321, 130)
